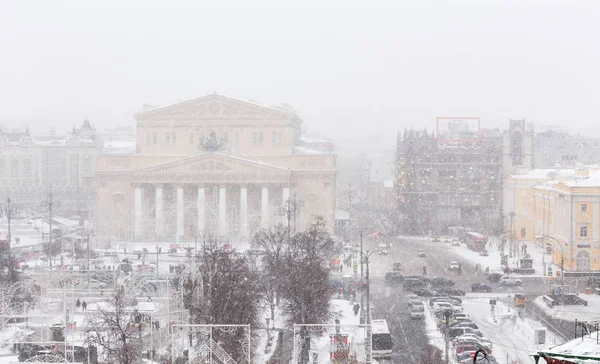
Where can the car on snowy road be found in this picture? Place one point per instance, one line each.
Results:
(451, 291)
(422, 254)
(480, 287)
(393, 277)
(442, 281)
(454, 265)
(510, 281)
(455, 242)
(416, 313)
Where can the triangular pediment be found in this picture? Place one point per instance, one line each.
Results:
(212, 163)
(214, 106)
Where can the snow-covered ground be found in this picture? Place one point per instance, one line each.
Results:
(511, 336)
(494, 248)
(589, 313)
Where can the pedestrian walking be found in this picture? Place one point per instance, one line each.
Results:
(341, 268)
(78, 303)
(84, 306)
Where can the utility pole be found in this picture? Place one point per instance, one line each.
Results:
(361, 253)
(8, 217)
(50, 204)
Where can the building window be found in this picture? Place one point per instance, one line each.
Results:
(14, 167)
(191, 138)
(148, 138)
(168, 138)
(260, 137)
(523, 233)
(583, 261)
(225, 138)
(174, 138)
(583, 207)
(583, 231)
(280, 138)
(155, 137)
(237, 138)
(254, 138)
(274, 138)
(27, 167)
(86, 164)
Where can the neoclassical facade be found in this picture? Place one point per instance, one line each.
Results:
(213, 165)
(33, 165)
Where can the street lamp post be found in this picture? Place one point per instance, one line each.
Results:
(368, 348)
(562, 262)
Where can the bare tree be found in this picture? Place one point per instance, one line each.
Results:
(114, 332)
(231, 296)
(298, 266)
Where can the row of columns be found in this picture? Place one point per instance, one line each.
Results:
(201, 210)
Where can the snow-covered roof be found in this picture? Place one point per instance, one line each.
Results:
(119, 146)
(314, 139)
(579, 350)
(305, 150)
(156, 108)
(542, 173)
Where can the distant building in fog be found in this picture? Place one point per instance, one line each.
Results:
(441, 183)
(33, 165)
(560, 149)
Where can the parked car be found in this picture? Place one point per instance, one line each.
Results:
(454, 265)
(467, 324)
(422, 254)
(446, 239)
(462, 316)
(510, 281)
(417, 314)
(455, 242)
(397, 267)
(453, 300)
(436, 239)
(416, 302)
(484, 253)
(425, 292)
(442, 281)
(413, 284)
(451, 291)
(452, 333)
(393, 277)
(480, 287)
(445, 306)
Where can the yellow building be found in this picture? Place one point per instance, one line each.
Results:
(518, 201)
(217, 165)
(567, 217)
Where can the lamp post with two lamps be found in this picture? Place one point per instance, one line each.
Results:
(562, 260)
(368, 349)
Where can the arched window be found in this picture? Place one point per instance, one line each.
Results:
(583, 261)
(14, 167)
(168, 138)
(523, 233)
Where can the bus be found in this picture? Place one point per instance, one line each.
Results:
(381, 339)
(475, 241)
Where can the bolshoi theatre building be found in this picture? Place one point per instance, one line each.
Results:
(214, 165)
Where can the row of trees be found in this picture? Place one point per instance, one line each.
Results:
(224, 287)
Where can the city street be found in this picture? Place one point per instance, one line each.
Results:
(389, 300)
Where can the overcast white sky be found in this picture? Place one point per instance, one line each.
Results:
(349, 68)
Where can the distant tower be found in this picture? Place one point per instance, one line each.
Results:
(518, 147)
